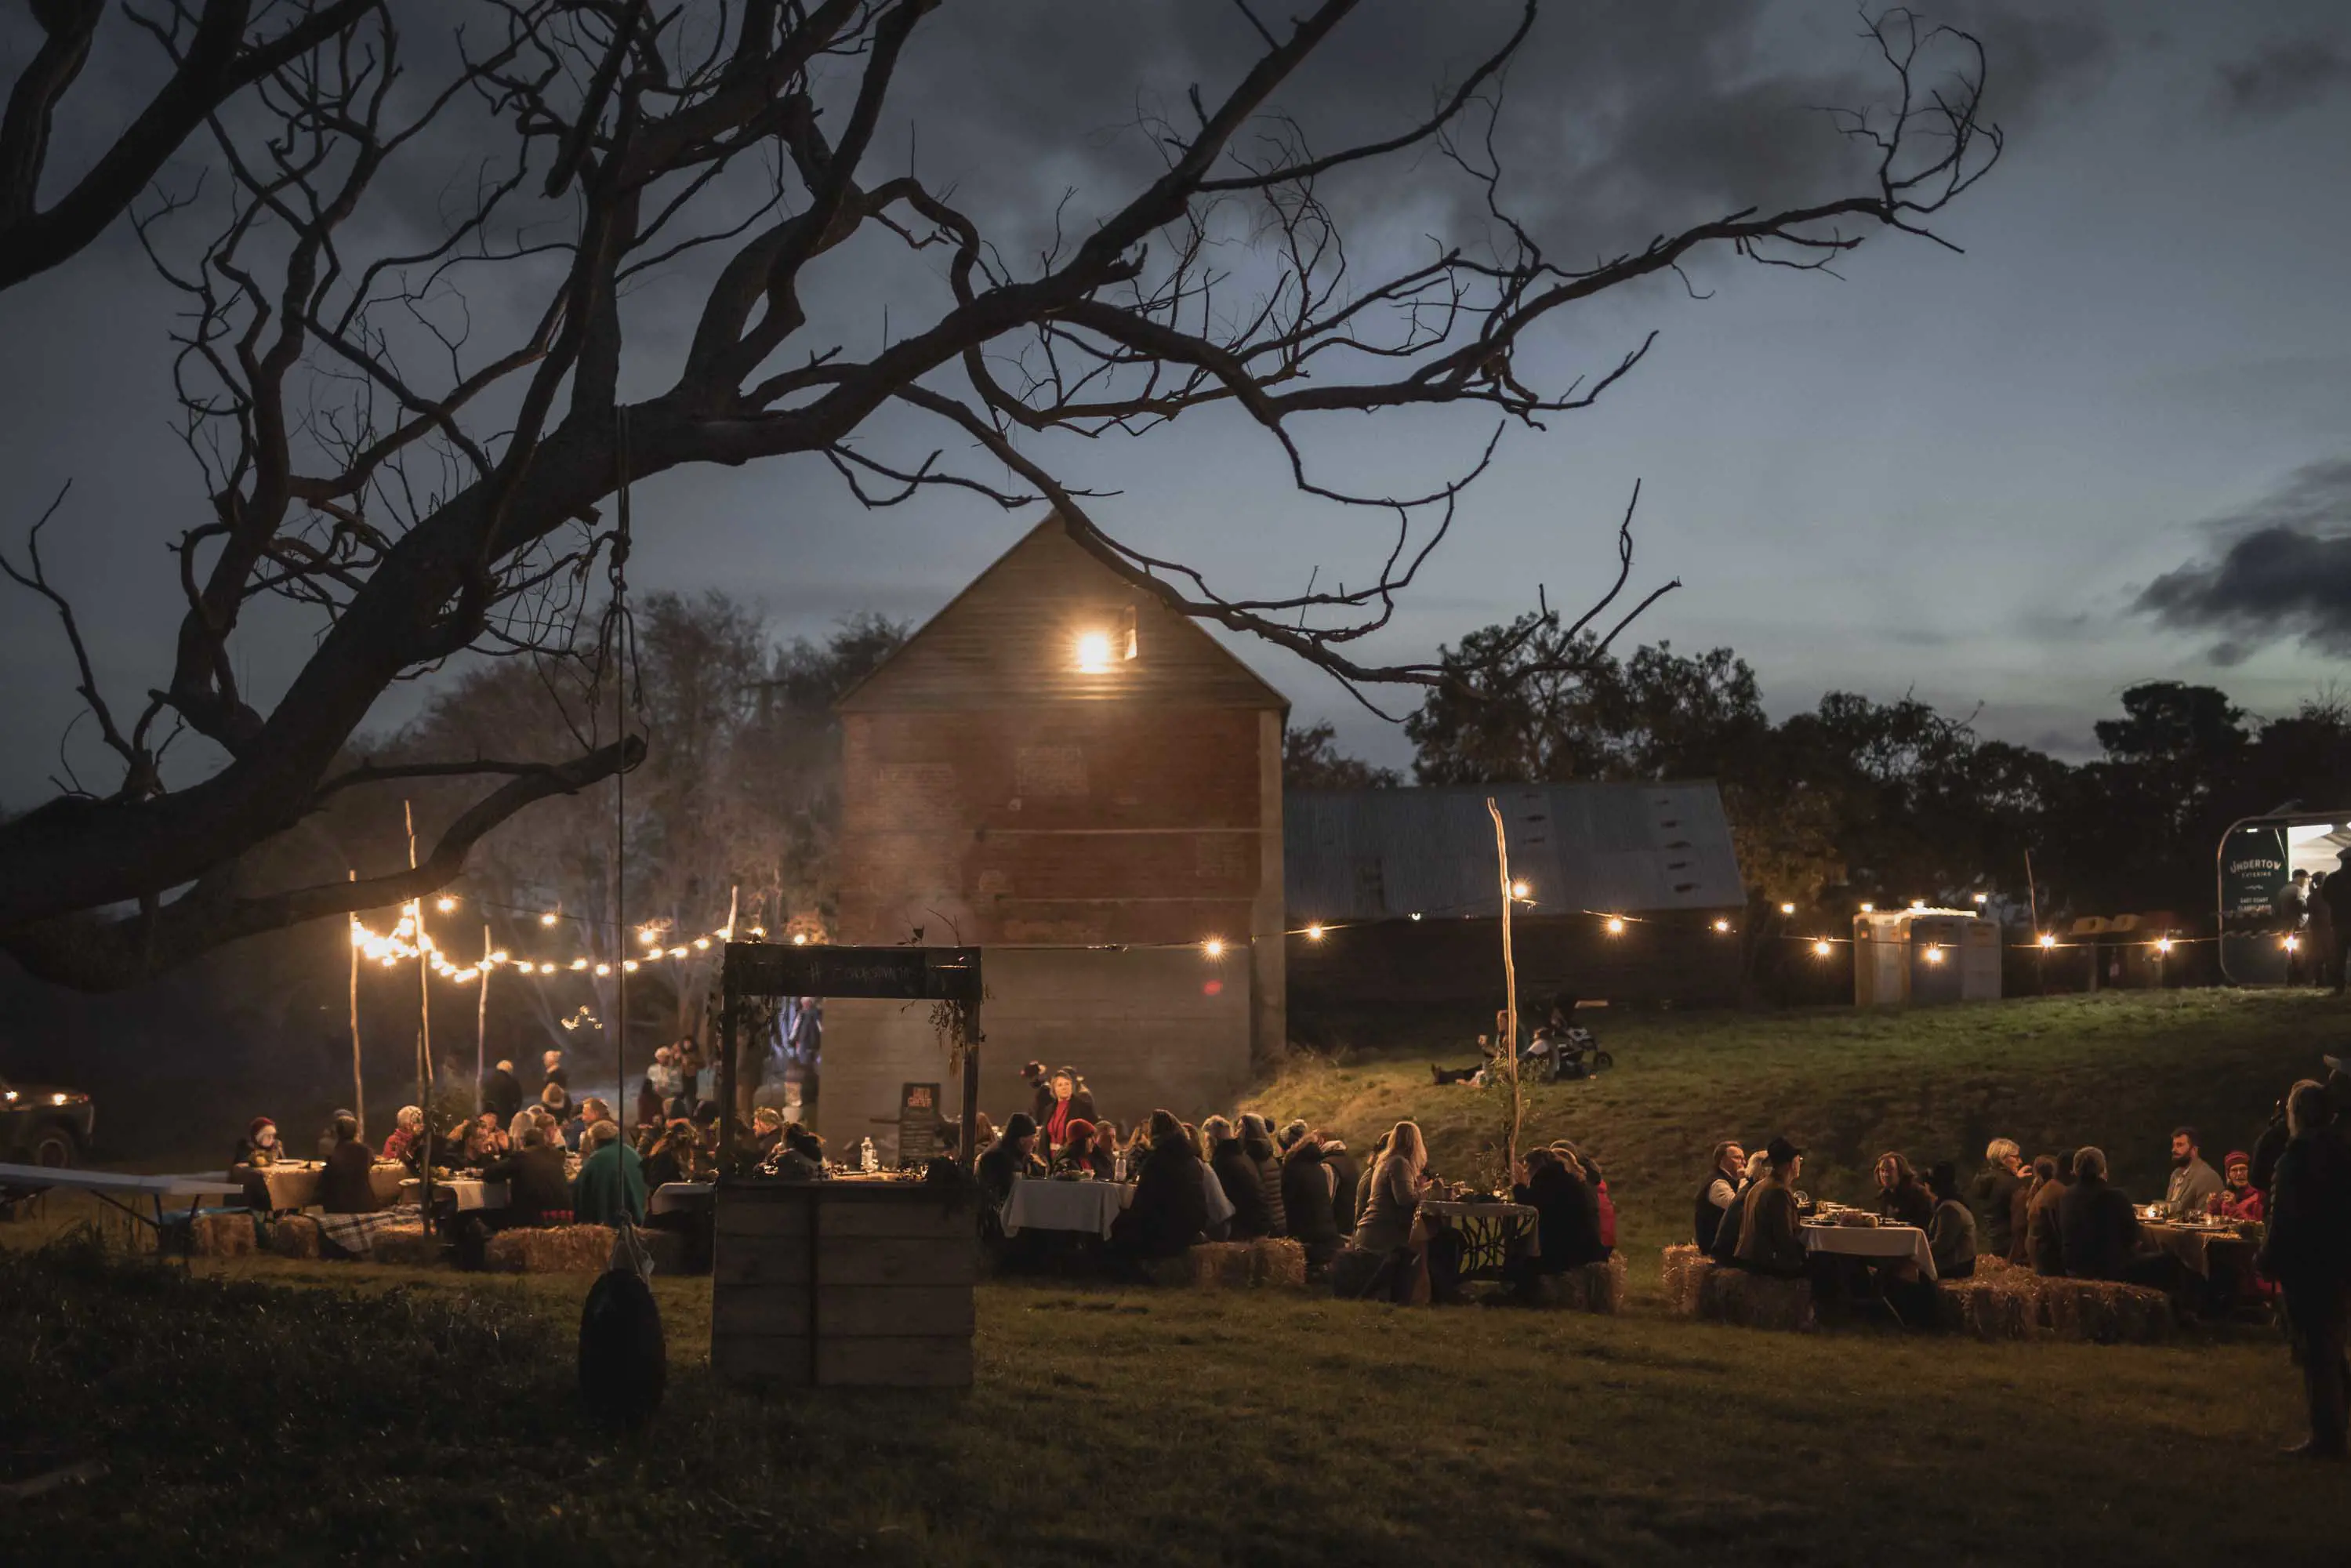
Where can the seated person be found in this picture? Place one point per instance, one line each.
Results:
(1951, 1229)
(406, 1145)
(1310, 1194)
(483, 1141)
(1902, 1197)
(345, 1186)
(1567, 1225)
(555, 1103)
(2095, 1223)
(1170, 1211)
(1012, 1158)
(767, 1129)
(1239, 1176)
(2238, 1198)
(610, 1186)
(2193, 1182)
(1080, 1153)
(799, 1156)
(255, 1152)
(1597, 1180)
(1769, 1239)
(1441, 1076)
(672, 1156)
(1734, 1218)
(537, 1184)
(2045, 1242)
(1717, 1193)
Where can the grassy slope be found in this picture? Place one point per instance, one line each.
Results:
(318, 1411)
(2119, 1069)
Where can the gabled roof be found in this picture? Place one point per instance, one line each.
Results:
(1010, 638)
(1610, 849)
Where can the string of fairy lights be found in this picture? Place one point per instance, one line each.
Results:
(410, 940)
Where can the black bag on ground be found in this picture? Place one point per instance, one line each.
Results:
(623, 1363)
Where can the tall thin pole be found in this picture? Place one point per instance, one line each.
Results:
(424, 1030)
(621, 774)
(1510, 986)
(359, 1080)
(482, 1021)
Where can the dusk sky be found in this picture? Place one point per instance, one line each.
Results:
(2105, 444)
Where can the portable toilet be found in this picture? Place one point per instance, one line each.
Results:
(1921, 954)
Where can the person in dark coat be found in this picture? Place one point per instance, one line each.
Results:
(1065, 1099)
(343, 1186)
(1567, 1210)
(1994, 1194)
(2045, 1240)
(1257, 1143)
(1346, 1183)
(502, 1092)
(1239, 1176)
(1717, 1194)
(2095, 1223)
(1170, 1211)
(1902, 1197)
(1734, 1218)
(1012, 1157)
(671, 1158)
(2336, 892)
(1309, 1195)
(537, 1184)
(2307, 1250)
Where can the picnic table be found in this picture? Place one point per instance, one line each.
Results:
(1081, 1206)
(295, 1184)
(1876, 1243)
(1493, 1235)
(120, 1189)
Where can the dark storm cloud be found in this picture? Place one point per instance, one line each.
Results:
(2284, 77)
(2284, 571)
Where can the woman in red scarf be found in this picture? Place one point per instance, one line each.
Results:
(1072, 1101)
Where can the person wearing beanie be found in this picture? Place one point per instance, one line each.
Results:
(344, 1187)
(1013, 1158)
(259, 1147)
(2238, 1198)
(1952, 1230)
(1082, 1152)
(1346, 1181)
(1309, 1195)
(1238, 1173)
(1170, 1210)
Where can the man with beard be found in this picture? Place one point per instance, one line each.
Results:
(2194, 1183)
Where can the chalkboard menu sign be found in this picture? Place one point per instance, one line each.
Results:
(2252, 874)
(918, 1123)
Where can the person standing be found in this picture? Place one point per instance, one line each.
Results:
(2338, 893)
(2307, 1250)
(502, 1092)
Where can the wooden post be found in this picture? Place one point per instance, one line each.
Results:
(423, 1034)
(968, 1139)
(359, 1080)
(726, 1060)
(1510, 1007)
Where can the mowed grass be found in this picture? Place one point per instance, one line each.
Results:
(260, 1411)
(2119, 1069)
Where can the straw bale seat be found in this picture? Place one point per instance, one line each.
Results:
(1697, 1287)
(561, 1249)
(1277, 1261)
(2000, 1302)
(227, 1233)
(296, 1236)
(403, 1242)
(1211, 1266)
(1588, 1288)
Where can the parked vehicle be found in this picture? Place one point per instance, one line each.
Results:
(43, 1123)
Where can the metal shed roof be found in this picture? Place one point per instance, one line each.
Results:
(1381, 854)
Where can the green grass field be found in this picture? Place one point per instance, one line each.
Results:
(263, 1411)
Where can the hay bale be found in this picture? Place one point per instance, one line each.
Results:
(224, 1235)
(1680, 1272)
(296, 1236)
(405, 1243)
(562, 1249)
(2003, 1305)
(1756, 1301)
(1277, 1261)
(1591, 1288)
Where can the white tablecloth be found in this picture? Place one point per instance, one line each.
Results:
(297, 1187)
(1873, 1241)
(469, 1191)
(1092, 1206)
(673, 1196)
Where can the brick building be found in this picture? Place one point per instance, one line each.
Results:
(1086, 785)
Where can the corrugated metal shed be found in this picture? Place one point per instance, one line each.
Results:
(1384, 854)
(1011, 639)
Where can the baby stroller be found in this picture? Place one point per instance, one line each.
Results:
(1554, 1055)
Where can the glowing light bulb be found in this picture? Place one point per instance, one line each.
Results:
(1519, 890)
(444, 905)
(579, 963)
(649, 937)
(702, 943)
(629, 965)
(1983, 898)
(1822, 948)
(1616, 926)
(1787, 909)
(2048, 939)
(1869, 909)
(1314, 934)
(1214, 946)
(547, 918)
(1723, 926)
(678, 952)
(499, 956)
(1093, 653)
(800, 939)
(1934, 954)
(358, 934)
(2163, 944)
(603, 968)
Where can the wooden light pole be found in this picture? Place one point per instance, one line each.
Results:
(1510, 1005)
